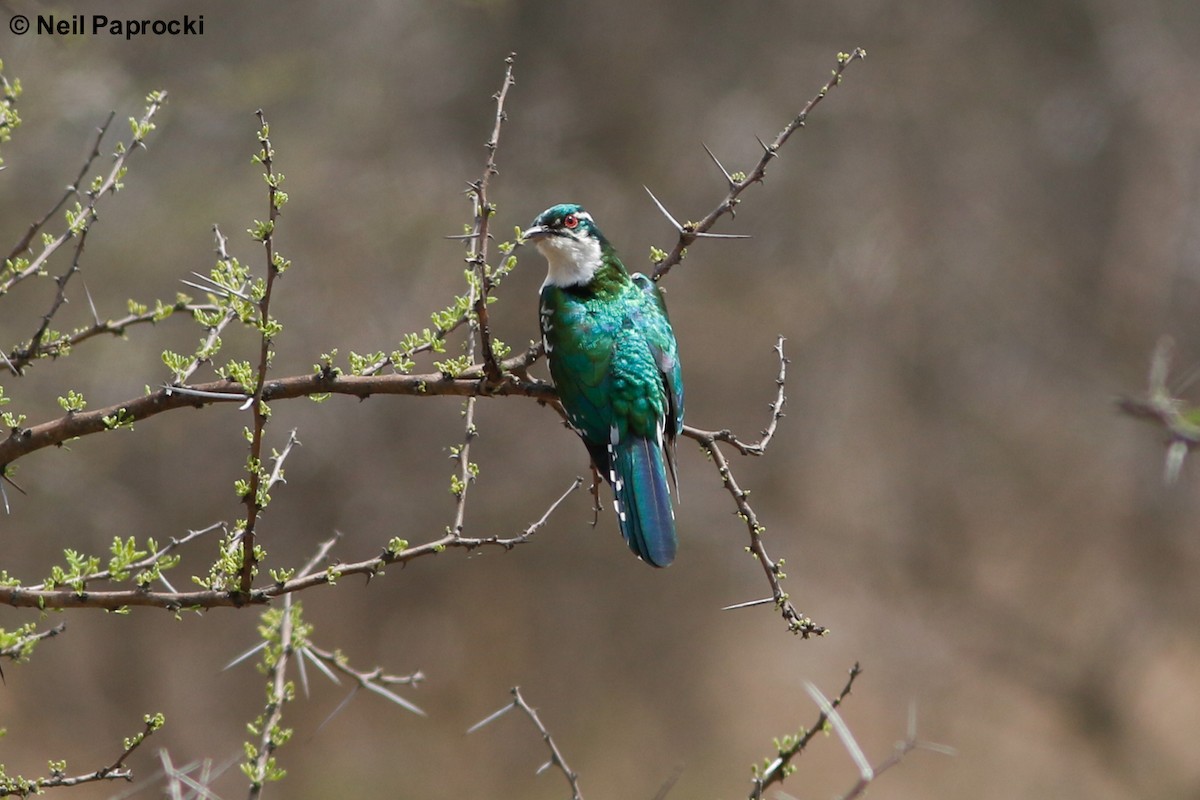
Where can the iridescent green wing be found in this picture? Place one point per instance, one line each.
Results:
(661, 339)
(579, 346)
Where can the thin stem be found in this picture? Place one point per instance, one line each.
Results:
(87, 213)
(765, 435)
(148, 561)
(72, 190)
(556, 756)
(797, 622)
(253, 500)
(777, 770)
(114, 771)
(478, 241)
(23, 356)
(214, 333)
(278, 696)
(114, 327)
(692, 231)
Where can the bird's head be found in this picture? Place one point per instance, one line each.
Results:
(570, 241)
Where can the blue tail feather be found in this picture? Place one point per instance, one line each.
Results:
(644, 511)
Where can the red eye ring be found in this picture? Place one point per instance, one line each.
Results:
(571, 221)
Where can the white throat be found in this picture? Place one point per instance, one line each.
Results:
(572, 261)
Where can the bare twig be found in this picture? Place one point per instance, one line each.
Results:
(796, 621)
(22, 356)
(465, 469)
(765, 435)
(276, 475)
(180, 784)
(556, 757)
(868, 773)
(691, 231)
(375, 680)
(477, 253)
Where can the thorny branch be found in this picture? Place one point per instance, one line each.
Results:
(556, 757)
(692, 231)
(767, 434)
(87, 214)
(27, 354)
(375, 680)
(81, 223)
(796, 621)
(150, 560)
(72, 190)
(777, 770)
(830, 718)
(253, 498)
(179, 779)
(278, 695)
(24, 597)
(867, 773)
(260, 768)
(477, 254)
(902, 748)
(23, 441)
(113, 327)
(114, 771)
(471, 383)
(214, 332)
(487, 377)
(332, 662)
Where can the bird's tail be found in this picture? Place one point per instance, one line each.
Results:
(639, 479)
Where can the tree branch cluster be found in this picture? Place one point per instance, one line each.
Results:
(485, 370)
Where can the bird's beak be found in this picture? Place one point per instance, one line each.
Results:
(535, 233)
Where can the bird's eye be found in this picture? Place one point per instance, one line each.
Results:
(571, 221)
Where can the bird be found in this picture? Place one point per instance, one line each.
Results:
(615, 365)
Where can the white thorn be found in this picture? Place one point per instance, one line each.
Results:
(865, 771)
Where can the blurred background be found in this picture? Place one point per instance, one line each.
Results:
(971, 249)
